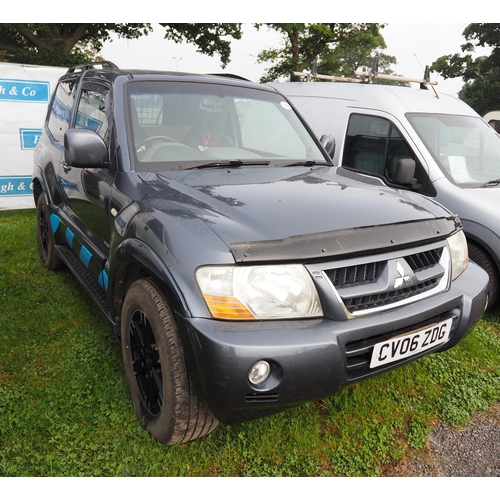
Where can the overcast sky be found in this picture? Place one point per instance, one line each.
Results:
(414, 45)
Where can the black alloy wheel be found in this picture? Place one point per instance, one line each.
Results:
(146, 363)
(165, 401)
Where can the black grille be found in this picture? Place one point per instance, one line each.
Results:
(269, 397)
(381, 299)
(424, 260)
(354, 275)
(359, 353)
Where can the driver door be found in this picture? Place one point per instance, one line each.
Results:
(88, 190)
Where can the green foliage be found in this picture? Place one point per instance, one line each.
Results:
(209, 38)
(468, 386)
(481, 74)
(66, 44)
(60, 44)
(65, 408)
(418, 432)
(482, 95)
(338, 48)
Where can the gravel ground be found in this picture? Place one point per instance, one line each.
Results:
(469, 451)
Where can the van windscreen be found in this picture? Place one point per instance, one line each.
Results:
(466, 149)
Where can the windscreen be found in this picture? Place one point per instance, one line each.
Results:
(466, 149)
(184, 125)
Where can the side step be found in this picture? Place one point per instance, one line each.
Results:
(86, 279)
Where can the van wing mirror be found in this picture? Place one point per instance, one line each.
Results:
(405, 172)
(328, 142)
(85, 148)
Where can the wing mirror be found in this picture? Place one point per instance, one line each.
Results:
(85, 148)
(405, 172)
(328, 142)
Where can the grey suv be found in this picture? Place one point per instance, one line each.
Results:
(242, 275)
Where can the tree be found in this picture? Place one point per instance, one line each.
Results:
(207, 37)
(68, 44)
(481, 74)
(339, 49)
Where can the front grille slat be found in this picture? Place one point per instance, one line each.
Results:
(354, 275)
(267, 397)
(372, 301)
(424, 260)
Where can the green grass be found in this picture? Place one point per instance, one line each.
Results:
(65, 408)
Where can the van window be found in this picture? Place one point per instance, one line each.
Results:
(465, 148)
(495, 124)
(374, 145)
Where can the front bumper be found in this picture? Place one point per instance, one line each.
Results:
(312, 359)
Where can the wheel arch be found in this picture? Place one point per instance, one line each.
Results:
(484, 238)
(37, 189)
(45, 181)
(483, 241)
(134, 260)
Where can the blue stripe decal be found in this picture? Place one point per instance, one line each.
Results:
(103, 280)
(85, 256)
(54, 222)
(69, 237)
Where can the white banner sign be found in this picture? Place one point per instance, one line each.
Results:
(24, 96)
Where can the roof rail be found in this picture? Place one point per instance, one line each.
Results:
(90, 65)
(368, 76)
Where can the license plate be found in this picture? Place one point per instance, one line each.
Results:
(409, 344)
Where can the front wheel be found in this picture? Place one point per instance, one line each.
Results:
(480, 257)
(159, 385)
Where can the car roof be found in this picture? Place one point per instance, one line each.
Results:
(391, 98)
(106, 70)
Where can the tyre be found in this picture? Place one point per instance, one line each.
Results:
(156, 371)
(480, 257)
(46, 241)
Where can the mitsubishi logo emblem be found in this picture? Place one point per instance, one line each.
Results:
(402, 279)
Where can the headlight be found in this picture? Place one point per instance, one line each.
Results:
(259, 292)
(459, 254)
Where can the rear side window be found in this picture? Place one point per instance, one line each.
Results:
(60, 109)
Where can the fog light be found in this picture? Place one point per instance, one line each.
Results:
(259, 372)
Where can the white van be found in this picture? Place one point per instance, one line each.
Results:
(448, 151)
(493, 119)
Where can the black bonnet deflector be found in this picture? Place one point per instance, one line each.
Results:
(342, 242)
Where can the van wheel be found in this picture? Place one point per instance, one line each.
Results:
(46, 240)
(480, 257)
(159, 385)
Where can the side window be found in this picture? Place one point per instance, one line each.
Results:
(60, 109)
(91, 112)
(374, 145)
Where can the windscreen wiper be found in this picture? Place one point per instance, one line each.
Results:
(230, 163)
(494, 182)
(305, 163)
